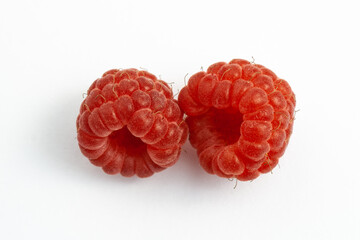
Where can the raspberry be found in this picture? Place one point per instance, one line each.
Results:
(240, 118)
(130, 124)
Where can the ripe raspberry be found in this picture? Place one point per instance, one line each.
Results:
(240, 118)
(130, 124)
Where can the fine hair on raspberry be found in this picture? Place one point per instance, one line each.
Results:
(240, 117)
(130, 124)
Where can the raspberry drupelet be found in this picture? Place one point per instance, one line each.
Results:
(240, 118)
(130, 124)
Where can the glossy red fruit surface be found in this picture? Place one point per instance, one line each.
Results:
(130, 124)
(240, 118)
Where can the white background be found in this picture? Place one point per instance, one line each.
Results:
(50, 52)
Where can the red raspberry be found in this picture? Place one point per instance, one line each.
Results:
(130, 124)
(240, 118)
